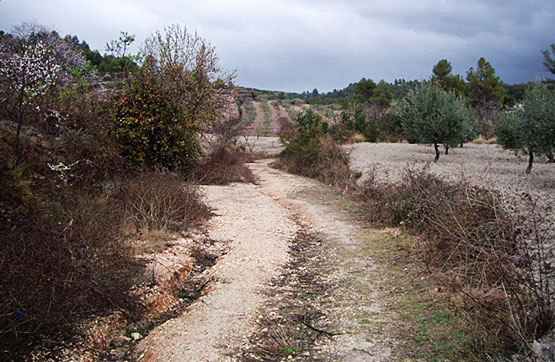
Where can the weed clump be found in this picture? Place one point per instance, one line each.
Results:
(309, 151)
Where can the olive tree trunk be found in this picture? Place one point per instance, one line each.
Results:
(530, 161)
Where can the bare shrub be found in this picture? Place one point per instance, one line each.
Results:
(321, 158)
(224, 165)
(162, 201)
(229, 131)
(490, 258)
(284, 124)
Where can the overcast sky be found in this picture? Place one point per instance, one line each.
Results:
(298, 45)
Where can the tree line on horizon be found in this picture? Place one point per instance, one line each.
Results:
(447, 109)
(368, 107)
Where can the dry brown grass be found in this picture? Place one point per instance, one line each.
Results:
(356, 138)
(481, 141)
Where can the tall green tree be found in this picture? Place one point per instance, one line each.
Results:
(442, 76)
(485, 85)
(485, 92)
(364, 90)
(442, 70)
(549, 59)
(530, 128)
(432, 115)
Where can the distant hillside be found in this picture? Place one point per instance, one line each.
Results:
(264, 117)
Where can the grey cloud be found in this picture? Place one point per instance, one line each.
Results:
(304, 44)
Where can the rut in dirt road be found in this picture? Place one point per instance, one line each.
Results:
(260, 221)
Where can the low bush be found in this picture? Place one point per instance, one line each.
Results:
(340, 133)
(490, 259)
(225, 164)
(309, 151)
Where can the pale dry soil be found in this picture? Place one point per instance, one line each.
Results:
(259, 221)
(481, 164)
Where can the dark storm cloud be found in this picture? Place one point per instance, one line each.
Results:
(302, 44)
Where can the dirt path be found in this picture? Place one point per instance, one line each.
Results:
(353, 305)
(260, 221)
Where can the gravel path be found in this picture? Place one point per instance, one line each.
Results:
(260, 221)
(258, 229)
(348, 267)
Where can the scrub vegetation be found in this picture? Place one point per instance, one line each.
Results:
(100, 150)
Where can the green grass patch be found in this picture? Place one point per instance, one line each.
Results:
(290, 351)
(250, 113)
(430, 328)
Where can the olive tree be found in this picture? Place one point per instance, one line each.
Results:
(530, 127)
(431, 115)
